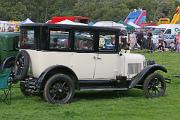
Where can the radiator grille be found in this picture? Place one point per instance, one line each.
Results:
(134, 68)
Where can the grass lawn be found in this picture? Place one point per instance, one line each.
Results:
(130, 105)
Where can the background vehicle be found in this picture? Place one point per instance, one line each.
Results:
(8, 44)
(55, 71)
(80, 19)
(171, 30)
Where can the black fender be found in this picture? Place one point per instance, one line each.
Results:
(8, 62)
(140, 77)
(53, 70)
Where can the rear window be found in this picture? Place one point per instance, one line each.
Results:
(59, 40)
(27, 39)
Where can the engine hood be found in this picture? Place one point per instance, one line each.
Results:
(134, 58)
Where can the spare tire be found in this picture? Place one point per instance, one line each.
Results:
(21, 65)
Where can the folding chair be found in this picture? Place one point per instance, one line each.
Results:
(5, 85)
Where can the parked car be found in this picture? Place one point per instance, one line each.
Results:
(54, 71)
(8, 44)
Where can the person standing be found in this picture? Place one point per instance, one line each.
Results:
(161, 44)
(132, 40)
(178, 42)
(149, 41)
(161, 35)
(140, 38)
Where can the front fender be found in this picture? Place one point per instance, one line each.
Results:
(140, 77)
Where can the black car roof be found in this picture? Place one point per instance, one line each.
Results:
(68, 26)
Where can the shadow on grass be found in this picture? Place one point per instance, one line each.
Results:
(94, 95)
(83, 95)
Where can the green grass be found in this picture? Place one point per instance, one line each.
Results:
(130, 105)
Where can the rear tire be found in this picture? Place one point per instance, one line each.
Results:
(59, 89)
(154, 86)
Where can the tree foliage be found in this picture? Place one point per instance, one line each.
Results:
(42, 10)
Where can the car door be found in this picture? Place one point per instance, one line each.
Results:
(107, 58)
(106, 66)
(83, 57)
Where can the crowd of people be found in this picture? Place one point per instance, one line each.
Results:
(143, 40)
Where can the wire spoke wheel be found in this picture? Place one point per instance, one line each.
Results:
(154, 85)
(21, 65)
(59, 89)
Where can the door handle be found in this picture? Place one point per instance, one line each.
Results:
(99, 58)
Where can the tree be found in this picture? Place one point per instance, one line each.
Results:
(43, 10)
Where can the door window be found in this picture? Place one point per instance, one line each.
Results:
(168, 31)
(59, 40)
(83, 41)
(106, 42)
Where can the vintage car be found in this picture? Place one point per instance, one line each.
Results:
(54, 60)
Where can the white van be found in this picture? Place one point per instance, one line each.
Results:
(171, 30)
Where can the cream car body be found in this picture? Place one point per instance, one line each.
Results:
(97, 66)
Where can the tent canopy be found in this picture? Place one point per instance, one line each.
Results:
(27, 21)
(69, 22)
(109, 24)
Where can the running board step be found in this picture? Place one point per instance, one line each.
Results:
(101, 89)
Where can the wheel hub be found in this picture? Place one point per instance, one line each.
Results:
(60, 90)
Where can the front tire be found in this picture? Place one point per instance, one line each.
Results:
(154, 86)
(59, 89)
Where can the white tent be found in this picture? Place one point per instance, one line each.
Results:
(27, 21)
(134, 25)
(155, 27)
(109, 24)
(68, 22)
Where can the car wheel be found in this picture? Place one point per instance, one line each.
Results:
(59, 89)
(21, 65)
(154, 86)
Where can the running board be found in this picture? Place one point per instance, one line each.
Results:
(101, 89)
(103, 85)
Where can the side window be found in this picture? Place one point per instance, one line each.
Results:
(27, 39)
(106, 41)
(83, 40)
(59, 39)
(168, 31)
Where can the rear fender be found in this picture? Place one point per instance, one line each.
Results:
(140, 77)
(53, 70)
